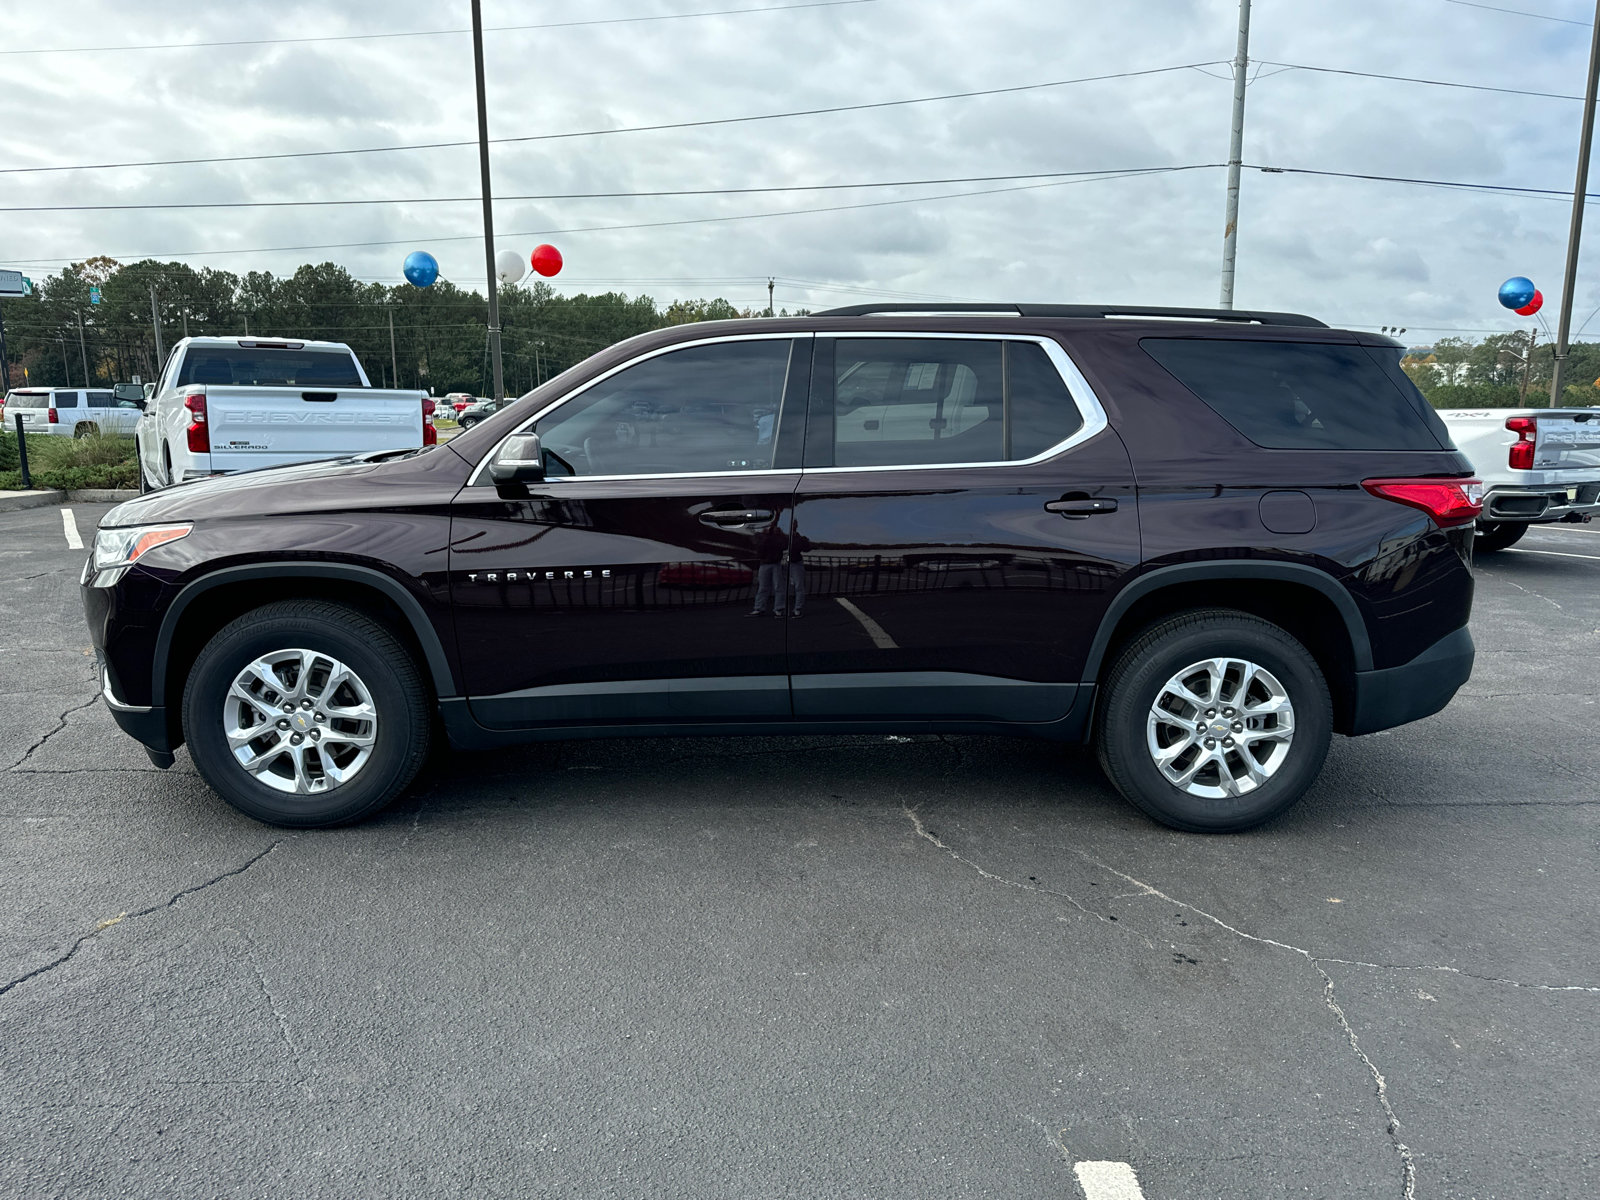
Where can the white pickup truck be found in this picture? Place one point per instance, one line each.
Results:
(235, 404)
(1538, 466)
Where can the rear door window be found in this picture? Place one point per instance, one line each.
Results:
(1298, 395)
(102, 400)
(931, 401)
(66, 399)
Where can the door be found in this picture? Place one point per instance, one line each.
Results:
(112, 415)
(624, 589)
(963, 519)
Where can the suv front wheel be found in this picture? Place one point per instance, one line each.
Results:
(1213, 721)
(306, 714)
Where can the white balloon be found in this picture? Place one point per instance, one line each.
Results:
(509, 266)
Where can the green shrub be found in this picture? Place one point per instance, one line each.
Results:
(104, 475)
(1483, 395)
(8, 452)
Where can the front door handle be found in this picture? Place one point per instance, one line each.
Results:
(1077, 509)
(737, 516)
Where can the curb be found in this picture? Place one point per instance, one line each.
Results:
(14, 501)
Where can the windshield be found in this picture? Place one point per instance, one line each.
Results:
(268, 368)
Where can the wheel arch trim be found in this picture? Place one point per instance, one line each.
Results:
(437, 662)
(1236, 569)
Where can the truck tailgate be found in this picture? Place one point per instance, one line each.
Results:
(268, 426)
(1567, 440)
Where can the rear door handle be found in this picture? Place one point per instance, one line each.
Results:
(1078, 509)
(739, 516)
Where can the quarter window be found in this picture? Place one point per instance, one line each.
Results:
(701, 409)
(927, 401)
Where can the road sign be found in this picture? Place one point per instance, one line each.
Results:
(94, 295)
(15, 283)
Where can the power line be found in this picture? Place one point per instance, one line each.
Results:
(1520, 12)
(747, 191)
(1472, 87)
(540, 233)
(361, 37)
(583, 133)
(1444, 183)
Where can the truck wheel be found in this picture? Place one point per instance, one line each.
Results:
(85, 429)
(1497, 535)
(166, 463)
(1213, 721)
(306, 714)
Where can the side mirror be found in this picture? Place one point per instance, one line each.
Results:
(519, 463)
(129, 393)
(149, 390)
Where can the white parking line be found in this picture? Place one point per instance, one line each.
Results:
(876, 632)
(69, 526)
(1108, 1181)
(1554, 553)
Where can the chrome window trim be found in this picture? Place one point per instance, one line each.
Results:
(483, 462)
(1083, 396)
(1078, 387)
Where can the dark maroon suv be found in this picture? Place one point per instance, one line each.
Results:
(1204, 541)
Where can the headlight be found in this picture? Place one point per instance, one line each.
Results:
(123, 547)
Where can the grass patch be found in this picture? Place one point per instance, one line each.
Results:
(101, 460)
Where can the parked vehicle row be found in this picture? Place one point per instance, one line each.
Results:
(72, 412)
(1202, 544)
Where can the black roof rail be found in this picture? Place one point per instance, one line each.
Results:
(1241, 316)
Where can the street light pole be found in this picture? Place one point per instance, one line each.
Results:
(155, 322)
(394, 359)
(1570, 280)
(488, 203)
(1230, 231)
(83, 350)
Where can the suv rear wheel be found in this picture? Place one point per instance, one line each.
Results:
(1213, 721)
(306, 714)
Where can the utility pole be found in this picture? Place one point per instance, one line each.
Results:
(1527, 363)
(1570, 281)
(772, 310)
(155, 322)
(394, 359)
(83, 351)
(65, 370)
(1230, 231)
(488, 203)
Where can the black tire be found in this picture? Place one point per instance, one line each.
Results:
(1141, 674)
(85, 429)
(467, 423)
(144, 481)
(385, 669)
(166, 463)
(1497, 535)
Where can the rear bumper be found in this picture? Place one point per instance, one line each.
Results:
(1552, 502)
(1419, 688)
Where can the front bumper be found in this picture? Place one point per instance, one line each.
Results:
(144, 723)
(1551, 502)
(1417, 689)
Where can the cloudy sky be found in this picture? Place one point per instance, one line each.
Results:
(1357, 253)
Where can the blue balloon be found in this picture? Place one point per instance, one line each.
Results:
(421, 269)
(1516, 292)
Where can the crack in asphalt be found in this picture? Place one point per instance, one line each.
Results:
(61, 723)
(932, 838)
(143, 912)
(272, 1004)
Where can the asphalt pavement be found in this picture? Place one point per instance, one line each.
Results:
(852, 966)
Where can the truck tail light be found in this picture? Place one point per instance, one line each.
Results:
(430, 435)
(54, 418)
(199, 434)
(1448, 501)
(1526, 428)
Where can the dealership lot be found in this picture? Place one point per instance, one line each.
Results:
(819, 966)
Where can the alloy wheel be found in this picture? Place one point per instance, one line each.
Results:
(1220, 727)
(300, 721)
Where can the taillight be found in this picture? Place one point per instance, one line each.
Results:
(430, 435)
(54, 418)
(199, 435)
(1447, 501)
(1521, 457)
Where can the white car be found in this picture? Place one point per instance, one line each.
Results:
(70, 412)
(238, 404)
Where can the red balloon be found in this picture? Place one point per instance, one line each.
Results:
(546, 260)
(1532, 306)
